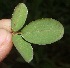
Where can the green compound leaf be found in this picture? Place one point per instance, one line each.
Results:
(43, 31)
(19, 17)
(23, 47)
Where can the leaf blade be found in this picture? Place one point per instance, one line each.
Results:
(23, 47)
(19, 17)
(43, 31)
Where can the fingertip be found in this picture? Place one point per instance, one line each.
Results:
(5, 24)
(5, 43)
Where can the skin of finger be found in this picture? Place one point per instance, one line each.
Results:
(5, 24)
(5, 43)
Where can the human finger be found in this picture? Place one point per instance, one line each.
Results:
(5, 24)
(5, 43)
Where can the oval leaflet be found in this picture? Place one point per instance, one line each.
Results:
(19, 17)
(23, 47)
(43, 31)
